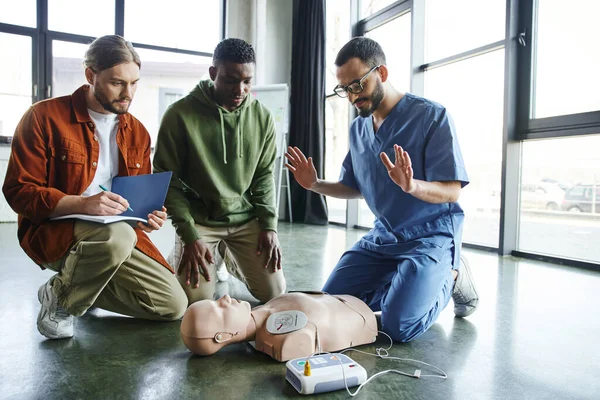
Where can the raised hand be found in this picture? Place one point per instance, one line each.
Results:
(401, 170)
(303, 169)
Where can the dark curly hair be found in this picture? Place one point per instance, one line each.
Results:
(367, 50)
(234, 50)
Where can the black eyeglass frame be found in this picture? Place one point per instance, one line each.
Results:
(342, 91)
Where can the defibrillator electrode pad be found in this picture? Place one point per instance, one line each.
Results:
(286, 321)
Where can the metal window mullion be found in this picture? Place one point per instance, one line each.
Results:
(488, 48)
(417, 48)
(352, 205)
(385, 15)
(120, 17)
(44, 50)
(511, 147)
(171, 49)
(224, 10)
(17, 29)
(562, 125)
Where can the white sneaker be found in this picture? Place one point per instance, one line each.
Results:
(222, 273)
(464, 294)
(53, 321)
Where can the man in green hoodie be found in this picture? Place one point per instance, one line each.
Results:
(219, 142)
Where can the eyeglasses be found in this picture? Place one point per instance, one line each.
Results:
(354, 87)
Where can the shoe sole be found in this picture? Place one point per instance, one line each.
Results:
(471, 311)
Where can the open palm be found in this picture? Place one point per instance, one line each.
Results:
(303, 169)
(401, 170)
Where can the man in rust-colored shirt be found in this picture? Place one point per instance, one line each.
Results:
(63, 151)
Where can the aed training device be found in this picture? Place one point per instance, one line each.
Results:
(324, 373)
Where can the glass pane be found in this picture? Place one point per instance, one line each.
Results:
(472, 90)
(182, 24)
(368, 7)
(394, 38)
(336, 146)
(15, 87)
(567, 58)
(21, 12)
(365, 217)
(67, 67)
(452, 27)
(569, 229)
(164, 78)
(336, 109)
(73, 16)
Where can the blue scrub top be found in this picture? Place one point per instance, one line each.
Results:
(425, 130)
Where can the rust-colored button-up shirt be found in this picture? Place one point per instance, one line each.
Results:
(54, 154)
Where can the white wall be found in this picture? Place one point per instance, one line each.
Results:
(267, 26)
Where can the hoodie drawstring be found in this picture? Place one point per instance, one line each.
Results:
(223, 136)
(240, 136)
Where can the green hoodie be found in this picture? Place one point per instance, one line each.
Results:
(222, 163)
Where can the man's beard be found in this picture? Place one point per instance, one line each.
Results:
(109, 106)
(376, 98)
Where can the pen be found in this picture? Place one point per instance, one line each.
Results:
(106, 190)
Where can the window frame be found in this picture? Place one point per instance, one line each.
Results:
(42, 39)
(548, 127)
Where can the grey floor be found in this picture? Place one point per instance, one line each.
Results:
(534, 336)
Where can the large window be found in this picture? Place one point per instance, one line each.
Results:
(48, 62)
(337, 110)
(560, 131)
(472, 92)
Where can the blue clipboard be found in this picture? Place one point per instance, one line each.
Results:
(145, 193)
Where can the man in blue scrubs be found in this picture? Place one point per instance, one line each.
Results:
(409, 265)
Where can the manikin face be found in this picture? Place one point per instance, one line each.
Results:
(232, 83)
(367, 101)
(113, 88)
(227, 315)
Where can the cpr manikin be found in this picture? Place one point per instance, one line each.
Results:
(289, 326)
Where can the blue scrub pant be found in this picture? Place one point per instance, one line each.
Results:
(409, 289)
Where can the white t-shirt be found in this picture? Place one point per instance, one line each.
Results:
(108, 158)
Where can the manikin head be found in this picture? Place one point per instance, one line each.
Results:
(232, 72)
(112, 68)
(209, 325)
(361, 73)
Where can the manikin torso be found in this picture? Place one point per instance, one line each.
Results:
(340, 322)
(335, 322)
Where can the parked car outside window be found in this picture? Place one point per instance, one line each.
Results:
(541, 195)
(579, 198)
